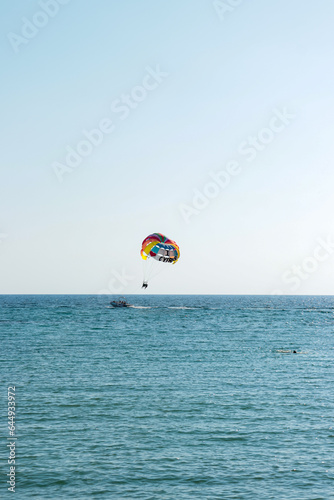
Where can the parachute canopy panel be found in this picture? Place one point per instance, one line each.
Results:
(159, 247)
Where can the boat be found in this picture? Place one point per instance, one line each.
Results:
(120, 303)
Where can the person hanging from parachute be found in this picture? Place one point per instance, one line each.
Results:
(157, 248)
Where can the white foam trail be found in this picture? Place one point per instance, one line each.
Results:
(141, 307)
(181, 307)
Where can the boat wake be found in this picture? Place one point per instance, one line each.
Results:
(181, 307)
(140, 307)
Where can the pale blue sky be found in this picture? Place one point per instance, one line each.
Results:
(226, 77)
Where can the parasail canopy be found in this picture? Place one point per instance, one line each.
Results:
(159, 247)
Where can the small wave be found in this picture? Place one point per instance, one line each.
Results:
(288, 351)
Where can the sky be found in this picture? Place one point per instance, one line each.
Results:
(208, 121)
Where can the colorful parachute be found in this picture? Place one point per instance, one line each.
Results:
(156, 249)
(161, 248)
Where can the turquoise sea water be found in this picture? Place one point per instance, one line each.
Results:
(180, 397)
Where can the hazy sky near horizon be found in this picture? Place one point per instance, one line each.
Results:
(210, 122)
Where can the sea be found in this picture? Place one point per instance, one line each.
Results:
(178, 397)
